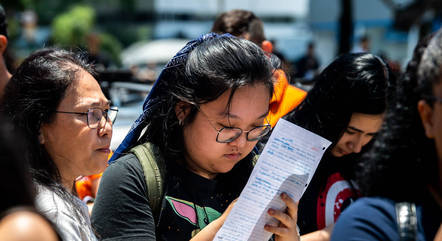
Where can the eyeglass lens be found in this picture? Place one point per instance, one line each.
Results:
(227, 135)
(98, 117)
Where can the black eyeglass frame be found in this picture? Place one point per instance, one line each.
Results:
(105, 113)
(267, 127)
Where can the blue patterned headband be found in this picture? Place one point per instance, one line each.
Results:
(179, 59)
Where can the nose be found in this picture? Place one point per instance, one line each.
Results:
(356, 145)
(106, 130)
(239, 142)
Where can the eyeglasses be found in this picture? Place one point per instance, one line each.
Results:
(230, 134)
(95, 116)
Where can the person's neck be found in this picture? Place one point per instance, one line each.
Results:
(191, 165)
(68, 184)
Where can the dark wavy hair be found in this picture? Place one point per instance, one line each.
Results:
(352, 83)
(212, 68)
(30, 100)
(238, 22)
(403, 161)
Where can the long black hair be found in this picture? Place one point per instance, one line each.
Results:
(351, 83)
(212, 68)
(403, 161)
(31, 98)
(16, 182)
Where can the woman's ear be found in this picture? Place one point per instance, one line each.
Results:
(3, 43)
(182, 109)
(426, 114)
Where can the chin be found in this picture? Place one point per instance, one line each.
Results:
(226, 168)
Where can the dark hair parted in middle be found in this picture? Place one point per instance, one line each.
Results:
(213, 67)
(352, 83)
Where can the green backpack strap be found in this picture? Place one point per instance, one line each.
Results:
(153, 167)
(255, 159)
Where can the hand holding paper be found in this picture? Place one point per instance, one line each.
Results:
(286, 164)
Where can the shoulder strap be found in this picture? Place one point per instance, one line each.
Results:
(255, 159)
(153, 167)
(406, 221)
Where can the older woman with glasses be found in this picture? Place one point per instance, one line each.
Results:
(67, 124)
(200, 123)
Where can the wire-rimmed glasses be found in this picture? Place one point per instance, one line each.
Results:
(96, 117)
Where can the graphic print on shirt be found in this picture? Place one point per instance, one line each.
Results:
(195, 214)
(337, 195)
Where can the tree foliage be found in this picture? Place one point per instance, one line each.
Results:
(71, 28)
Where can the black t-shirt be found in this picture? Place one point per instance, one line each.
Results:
(122, 212)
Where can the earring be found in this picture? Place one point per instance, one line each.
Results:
(180, 122)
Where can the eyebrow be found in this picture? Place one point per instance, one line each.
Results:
(99, 103)
(361, 131)
(355, 129)
(233, 116)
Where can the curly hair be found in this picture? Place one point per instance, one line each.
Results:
(402, 160)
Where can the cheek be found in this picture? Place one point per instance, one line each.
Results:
(199, 141)
(366, 140)
(344, 139)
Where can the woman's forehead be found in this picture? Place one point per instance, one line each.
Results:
(248, 100)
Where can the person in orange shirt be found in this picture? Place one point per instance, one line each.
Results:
(245, 24)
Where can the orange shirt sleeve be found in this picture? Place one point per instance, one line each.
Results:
(285, 97)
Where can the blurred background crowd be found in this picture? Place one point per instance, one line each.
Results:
(131, 40)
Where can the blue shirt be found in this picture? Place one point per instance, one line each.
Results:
(374, 218)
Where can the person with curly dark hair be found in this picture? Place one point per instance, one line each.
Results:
(402, 173)
(200, 123)
(66, 122)
(346, 106)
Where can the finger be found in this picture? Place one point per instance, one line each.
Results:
(282, 217)
(292, 206)
(228, 209)
(280, 231)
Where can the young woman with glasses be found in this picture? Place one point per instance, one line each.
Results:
(205, 113)
(67, 124)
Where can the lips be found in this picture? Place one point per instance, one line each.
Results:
(104, 149)
(343, 152)
(233, 156)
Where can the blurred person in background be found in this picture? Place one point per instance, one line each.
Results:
(308, 65)
(19, 221)
(66, 121)
(346, 106)
(4, 73)
(363, 45)
(200, 123)
(402, 173)
(247, 25)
